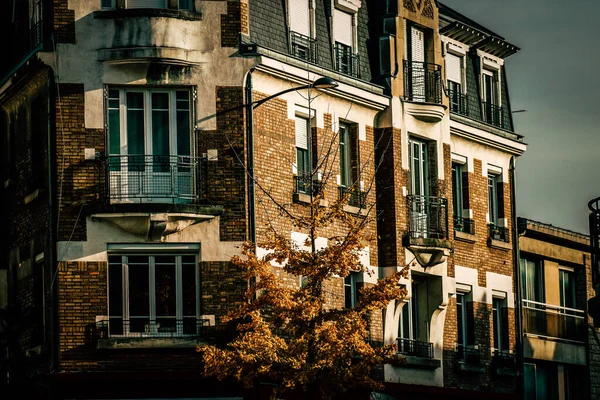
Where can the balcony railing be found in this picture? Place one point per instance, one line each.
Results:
(303, 47)
(145, 327)
(303, 184)
(427, 217)
(499, 233)
(356, 198)
(410, 347)
(465, 225)
(504, 359)
(553, 321)
(473, 107)
(154, 179)
(468, 354)
(422, 82)
(459, 102)
(346, 61)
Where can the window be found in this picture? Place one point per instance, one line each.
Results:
(302, 43)
(500, 323)
(493, 205)
(348, 155)
(346, 61)
(405, 323)
(465, 319)
(153, 295)
(567, 288)
(491, 110)
(532, 280)
(35, 22)
(149, 135)
(181, 4)
(350, 289)
(454, 75)
(457, 195)
(303, 154)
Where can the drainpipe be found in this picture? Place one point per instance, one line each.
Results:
(250, 157)
(517, 280)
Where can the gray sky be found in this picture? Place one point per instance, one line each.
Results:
(555, 77)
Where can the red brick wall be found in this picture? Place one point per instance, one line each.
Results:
(64, 22)
(231, 23)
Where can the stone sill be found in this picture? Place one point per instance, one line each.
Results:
(424, 363)
(362, 212)
(125, 343)
(148, 12)
(305, 198)
(463, 366)
(498, 244)
(465, 237)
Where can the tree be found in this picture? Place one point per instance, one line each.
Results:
(289, 336)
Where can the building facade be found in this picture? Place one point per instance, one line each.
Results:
(560, 346)
(127, 163)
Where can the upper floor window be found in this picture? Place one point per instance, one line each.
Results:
(303, 164)
(149, 144)
(460, 199)
(532, 280)
(153, 295)
(492, 112)
(454, 76)
(350, 289)
(567, 288)
(465, 321)
(35, 22)
(181, 4)
(302, 42)
(422, 79)
(346, 59)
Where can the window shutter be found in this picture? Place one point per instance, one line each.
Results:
(298, 14)
(470, 323)
(453, 68)
(146, 4)
(504, 326)
(418, 44)
(342, 27)
(302, 133)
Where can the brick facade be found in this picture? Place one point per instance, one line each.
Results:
(64, 22)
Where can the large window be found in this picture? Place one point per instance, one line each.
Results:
(532, 280)
(153, 295)
(567, 288)
(346, 60)
(149, 142)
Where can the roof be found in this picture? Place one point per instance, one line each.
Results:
(553, 231)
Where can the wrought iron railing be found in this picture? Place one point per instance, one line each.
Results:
(499, 233)
(459, 102)
(356, 198)
(465, 225)
(303, 47)
(410, 347)
(422, 82)
(144, 327)
(157, 179)
(303, 184)
(504, 359)
(553, 321)
(427, 217)
(468, 354)
(493, 115)
(346, 61)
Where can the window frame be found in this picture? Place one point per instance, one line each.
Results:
(500, 331)
(561, 284)
(152, 328)
(493, 201)
(539, 279)
(350, 286)
(464, 335)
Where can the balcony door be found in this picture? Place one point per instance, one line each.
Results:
(419, 186)
(416, 60)
(150, 146)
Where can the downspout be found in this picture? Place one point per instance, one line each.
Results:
(250, 157)
(517, 279)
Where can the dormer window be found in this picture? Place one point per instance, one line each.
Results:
(302, 38)
(346, 59)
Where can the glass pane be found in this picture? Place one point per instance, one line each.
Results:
(139, 298)
(115, 295)
(160, 131)
(405, 331)
(165, 286)
(188, 277)
(183, 123)
(530, 383)
(459, 318)
(135, 123)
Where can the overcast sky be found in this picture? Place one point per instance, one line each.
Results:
(555, 77)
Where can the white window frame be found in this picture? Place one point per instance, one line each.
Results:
(152, 329)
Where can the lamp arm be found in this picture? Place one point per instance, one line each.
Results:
(261, 101)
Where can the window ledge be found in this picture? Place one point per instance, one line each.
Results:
(124, 343)
(421, 362)
(148, 12)
(499, 244)
(355, 210)
(465, 237)
(305, 198)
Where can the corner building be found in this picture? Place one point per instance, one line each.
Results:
(126, 169)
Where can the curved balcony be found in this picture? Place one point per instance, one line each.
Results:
(423, 90)
(169, 36)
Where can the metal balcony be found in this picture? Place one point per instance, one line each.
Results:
(465, 225)
(422, 82)
(154, 179)
(410, 347)
(499, 233)
(459, 103)
(346, 61)
(554, 321)
(468, 354)
(307, 184)
(427, 217)
(356, 198)
(303, 47)
(494, 115)
(145, 327)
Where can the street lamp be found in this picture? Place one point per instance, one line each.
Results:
(321, 83)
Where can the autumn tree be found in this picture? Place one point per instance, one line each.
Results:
(292, 337)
